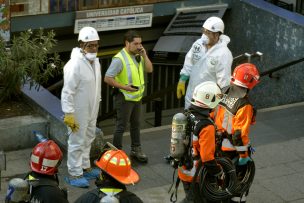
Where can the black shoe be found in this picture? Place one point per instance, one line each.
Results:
(137, 153)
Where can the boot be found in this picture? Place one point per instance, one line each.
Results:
(77, 181)
(137, 153)
(91, 173)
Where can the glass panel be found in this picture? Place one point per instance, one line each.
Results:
(62, 5)
(35, 7)
(118, 3)
(88, 4)
(72, 5)
(53, 6)
(28, 7)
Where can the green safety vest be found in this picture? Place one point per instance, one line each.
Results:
(131, 74)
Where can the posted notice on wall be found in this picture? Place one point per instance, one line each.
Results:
(115, 18)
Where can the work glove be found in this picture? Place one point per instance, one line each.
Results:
(181, 86)
(180, 89)
(70, 121)
(214, 173)
(243, 161)
(213, 168)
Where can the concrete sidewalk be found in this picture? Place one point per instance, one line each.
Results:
(277, 137)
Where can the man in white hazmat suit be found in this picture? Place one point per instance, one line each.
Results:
(80, 99)
(209, 59)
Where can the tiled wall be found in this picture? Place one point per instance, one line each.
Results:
(278, 34)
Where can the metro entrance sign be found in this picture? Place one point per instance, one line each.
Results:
(115, 18)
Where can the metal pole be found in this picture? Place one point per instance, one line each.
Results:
(2, 164)
(248, 57)
(158, 105)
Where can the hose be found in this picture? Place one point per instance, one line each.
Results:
(231, 186)
(212, 190)
(243, 185)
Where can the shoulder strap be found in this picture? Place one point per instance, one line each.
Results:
(187, 159)
(174, 192)
(253, 119)
(190, 122)
(201, 124)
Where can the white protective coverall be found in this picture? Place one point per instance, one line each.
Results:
(212, 65)
(81, 95)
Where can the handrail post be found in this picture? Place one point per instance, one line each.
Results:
(248, 57)
(158, 105)
(2, 163)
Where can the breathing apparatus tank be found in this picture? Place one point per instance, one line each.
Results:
(17, 191)
(109, 195)
(109, 199)
(178, 134)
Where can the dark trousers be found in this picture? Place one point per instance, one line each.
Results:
(189, 195)
(127, 111)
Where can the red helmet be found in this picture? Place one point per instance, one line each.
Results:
(117, 164)
(46, 157)
(246, 75)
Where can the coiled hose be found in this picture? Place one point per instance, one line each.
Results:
(244, 184)
(216, 192)
(231, 185)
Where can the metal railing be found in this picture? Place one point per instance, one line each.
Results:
(271, 72)
(246, 58)
(160, 90)
(161, 86)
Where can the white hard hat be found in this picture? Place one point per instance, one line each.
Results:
(88, 34)
(207, 95)
(214, 24)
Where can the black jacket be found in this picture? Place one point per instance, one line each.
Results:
(95, 195)
(46, 189)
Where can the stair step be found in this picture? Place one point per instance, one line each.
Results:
(17, 132)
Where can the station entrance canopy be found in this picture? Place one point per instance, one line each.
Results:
(186, 27)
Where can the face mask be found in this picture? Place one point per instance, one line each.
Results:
(91, 56)
(205, 39)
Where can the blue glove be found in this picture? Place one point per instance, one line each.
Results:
(243, 161)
